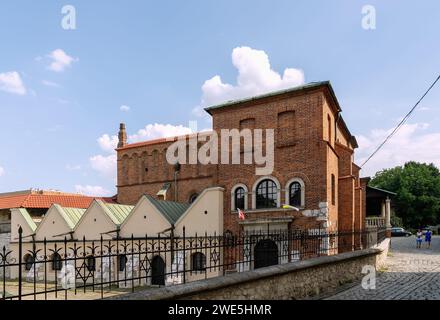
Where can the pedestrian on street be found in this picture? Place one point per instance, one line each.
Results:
(419, 238)
(428, 235)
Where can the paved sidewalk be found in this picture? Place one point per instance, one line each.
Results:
(410, 274)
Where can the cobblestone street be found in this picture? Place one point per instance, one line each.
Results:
(410, 274)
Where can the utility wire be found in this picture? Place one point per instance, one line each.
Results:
(401, 122)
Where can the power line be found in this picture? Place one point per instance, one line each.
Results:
(401, 122)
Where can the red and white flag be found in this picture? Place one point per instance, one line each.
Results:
(241, 215)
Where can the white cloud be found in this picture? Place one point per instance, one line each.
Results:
(60, 60)
(156, 131)
(11, 82)
(107, 143)
(124, 108)
(97, 191)
(255, 76)
(412, 142)
(106, 164)
(2, 171)
(50, 83)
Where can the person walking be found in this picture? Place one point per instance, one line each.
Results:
(428, 235)
(419, 235)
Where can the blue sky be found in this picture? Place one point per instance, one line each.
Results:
(154, 57)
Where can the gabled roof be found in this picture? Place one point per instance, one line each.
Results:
(41, 201)
(117, 212)
(28, 219)
(171, 210)
(71, 215)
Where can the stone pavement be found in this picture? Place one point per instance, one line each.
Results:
(410, 274)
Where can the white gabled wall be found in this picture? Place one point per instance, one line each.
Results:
(52, 224)
(93, 223)
(18, 221)
(204, 215)
(144, 219)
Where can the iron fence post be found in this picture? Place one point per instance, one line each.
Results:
(184, 256)
(20, 252)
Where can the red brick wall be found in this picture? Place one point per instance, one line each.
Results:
(302, 150)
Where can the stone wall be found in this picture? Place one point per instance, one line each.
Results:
(296, 280)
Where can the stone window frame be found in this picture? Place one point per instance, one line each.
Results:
(303, 191)
(254, 192)
(246, 192)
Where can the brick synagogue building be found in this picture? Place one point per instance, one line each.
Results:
(313, 166)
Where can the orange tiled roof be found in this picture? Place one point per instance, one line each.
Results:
(46, 200)
(161, 140)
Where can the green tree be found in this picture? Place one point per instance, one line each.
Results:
(418, 192)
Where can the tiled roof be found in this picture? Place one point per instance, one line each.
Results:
(161, 140)
(36, 201)
(171, 210)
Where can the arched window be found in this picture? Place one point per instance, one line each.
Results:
(193, 197)
(122, 262)
(267, 194)
(91, 263)
(198, 260)
(295, 194)
(28, 262)
(57, 263)
(239, 198)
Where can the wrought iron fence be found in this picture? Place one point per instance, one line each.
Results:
(91, 269)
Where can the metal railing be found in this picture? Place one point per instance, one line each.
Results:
(375, 222)
(83, 269)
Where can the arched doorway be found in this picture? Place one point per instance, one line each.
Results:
(265, 254)
(158, 271)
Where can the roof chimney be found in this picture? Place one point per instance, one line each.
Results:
(122, 136)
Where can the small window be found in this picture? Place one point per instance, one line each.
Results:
(122, 262)
(239, 198)
(267, 194)
(91, 263)
(28, 262)
(329, 128)
(193, 197)
(57, 263)
(333, 190)
(295, 194)
(198, 261)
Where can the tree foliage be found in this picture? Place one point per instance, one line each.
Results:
(418, 192)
